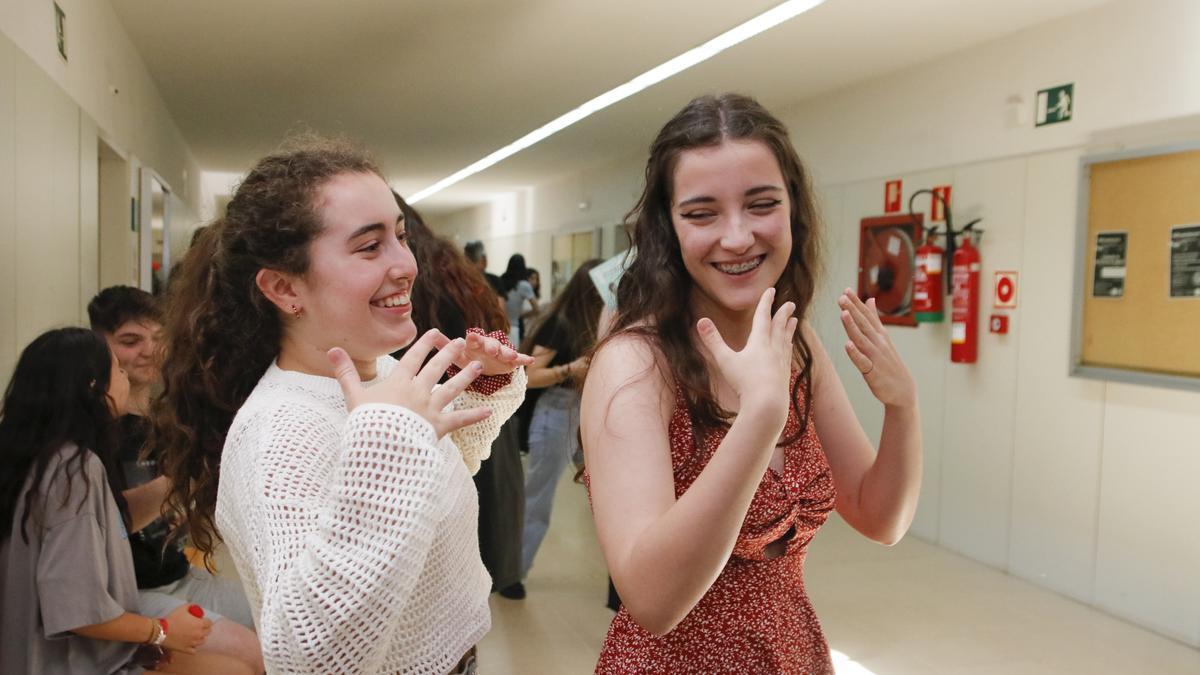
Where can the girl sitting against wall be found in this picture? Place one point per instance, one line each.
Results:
(66, 572)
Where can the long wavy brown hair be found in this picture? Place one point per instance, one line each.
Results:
(577, 309)
(221, 333)
(653, 298)
(447, 282)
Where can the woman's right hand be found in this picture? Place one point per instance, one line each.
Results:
(185, 632)
(761, 371)
(415, 387)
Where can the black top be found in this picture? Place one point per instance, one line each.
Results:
(553, 334)
(497, 284)
(153, 564)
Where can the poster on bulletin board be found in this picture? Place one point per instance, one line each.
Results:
(1108, 277)
(1185, 261)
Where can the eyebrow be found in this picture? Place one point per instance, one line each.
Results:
(373, 227)
(705, 199)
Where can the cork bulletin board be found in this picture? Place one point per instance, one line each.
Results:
(1137, 314)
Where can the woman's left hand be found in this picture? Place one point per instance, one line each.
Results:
(496, 358)
(871, 351)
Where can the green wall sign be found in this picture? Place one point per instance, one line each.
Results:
(1056, 104)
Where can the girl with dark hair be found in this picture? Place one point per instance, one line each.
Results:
(348, 509)
(559, 344)
(452, 295)
(519, 295)
(717, 434)
(66, 572)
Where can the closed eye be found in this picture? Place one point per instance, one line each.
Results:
(766, 204)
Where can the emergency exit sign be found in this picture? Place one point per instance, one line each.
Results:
(1056, 104)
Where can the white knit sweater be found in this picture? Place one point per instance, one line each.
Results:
(355, 535)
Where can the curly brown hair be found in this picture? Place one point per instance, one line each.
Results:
(653, 295)
(221, 333)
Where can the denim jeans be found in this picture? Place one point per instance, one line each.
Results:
(553, 442)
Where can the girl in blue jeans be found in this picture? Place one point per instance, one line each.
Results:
(559, 344)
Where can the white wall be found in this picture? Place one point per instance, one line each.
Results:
(1083, 487)
(1074, 484)
(52, 116)
(525, 221)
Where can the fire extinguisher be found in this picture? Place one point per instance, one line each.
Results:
(964, 303)
(927, 283)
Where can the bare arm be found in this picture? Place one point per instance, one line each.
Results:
(664, 553)
(145, 502)
(185, 632)
(542, 374)
(877, 491)
(125, 628)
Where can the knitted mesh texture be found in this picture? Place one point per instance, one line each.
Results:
(355, 534)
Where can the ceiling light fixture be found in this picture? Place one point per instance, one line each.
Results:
(768, 19)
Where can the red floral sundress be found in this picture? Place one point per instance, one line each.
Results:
(756, 617)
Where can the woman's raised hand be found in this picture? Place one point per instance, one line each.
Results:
(495, 357)
(761, 371)
(415, 387)
(872, 352)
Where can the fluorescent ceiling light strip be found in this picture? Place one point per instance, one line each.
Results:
(768, 19)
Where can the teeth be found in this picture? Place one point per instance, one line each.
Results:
(740, 268)
(392, 301)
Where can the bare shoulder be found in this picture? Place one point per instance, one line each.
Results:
(627, 374)
(626, 358)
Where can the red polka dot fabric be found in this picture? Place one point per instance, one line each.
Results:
(487, 384)
(756, 617)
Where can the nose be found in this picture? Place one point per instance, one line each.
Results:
(736, 236)
(402, 264)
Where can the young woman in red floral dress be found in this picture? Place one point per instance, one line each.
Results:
(716, 433)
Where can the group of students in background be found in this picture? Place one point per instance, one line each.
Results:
(330, 392)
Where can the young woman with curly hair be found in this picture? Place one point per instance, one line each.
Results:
(348, 508)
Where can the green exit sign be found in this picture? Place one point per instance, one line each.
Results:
(1056, 104)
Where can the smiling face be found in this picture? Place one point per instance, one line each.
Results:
(730, 209)
(355, 294)
(135, 344)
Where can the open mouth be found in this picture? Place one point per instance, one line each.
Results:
(391, 301)
(743, 267)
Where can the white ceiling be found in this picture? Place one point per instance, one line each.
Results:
(433, 85)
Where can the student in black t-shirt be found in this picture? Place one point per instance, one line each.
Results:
(559, 343)
(129, 319)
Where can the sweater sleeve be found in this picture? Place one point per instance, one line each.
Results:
(332, 600)
(475, 441)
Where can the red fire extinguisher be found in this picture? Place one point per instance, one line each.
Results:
(927, 283)
(964, 304)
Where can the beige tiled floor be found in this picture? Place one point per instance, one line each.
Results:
(913, 608)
